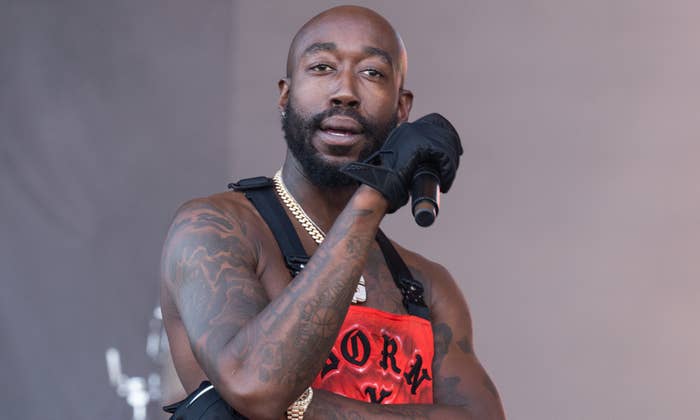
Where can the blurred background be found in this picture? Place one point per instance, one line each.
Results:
(573, 226)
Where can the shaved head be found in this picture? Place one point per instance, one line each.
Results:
(310, 37)
(343, 93)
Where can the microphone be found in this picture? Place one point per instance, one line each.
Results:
(425, 195)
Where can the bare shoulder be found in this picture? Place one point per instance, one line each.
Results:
(221, 224)
(227, 209)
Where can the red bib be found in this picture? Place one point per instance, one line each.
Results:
(381, 357)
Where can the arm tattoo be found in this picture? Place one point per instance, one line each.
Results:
(208, 268)
(317, 322)
(446, 387)
(465, 345)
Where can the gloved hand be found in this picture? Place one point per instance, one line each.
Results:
(430, 140)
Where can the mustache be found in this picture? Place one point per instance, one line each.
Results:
(315, 121)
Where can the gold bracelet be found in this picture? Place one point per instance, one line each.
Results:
(298, 408)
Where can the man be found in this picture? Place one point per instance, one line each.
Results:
(236, 317)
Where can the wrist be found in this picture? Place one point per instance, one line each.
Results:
(369, 197)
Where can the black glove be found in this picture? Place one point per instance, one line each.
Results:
(430, 140)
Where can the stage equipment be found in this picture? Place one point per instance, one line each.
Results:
(140, 391)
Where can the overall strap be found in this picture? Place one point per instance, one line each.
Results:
(259, 191)
(411, 289)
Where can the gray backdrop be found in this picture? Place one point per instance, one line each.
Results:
(573, 227)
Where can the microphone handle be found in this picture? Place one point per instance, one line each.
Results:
(425, 195)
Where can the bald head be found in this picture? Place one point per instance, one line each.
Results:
(320, 30)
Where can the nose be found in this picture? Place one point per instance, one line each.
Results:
(345, 94)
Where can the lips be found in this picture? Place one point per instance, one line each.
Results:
(339, 137)
(340, 126)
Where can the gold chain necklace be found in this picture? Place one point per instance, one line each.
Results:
(310, 227)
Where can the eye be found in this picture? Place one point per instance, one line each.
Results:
(321, 68)
(373, 73)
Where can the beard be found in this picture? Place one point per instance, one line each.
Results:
(299, 130)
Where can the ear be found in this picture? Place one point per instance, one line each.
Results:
(405, 104)
(283, 85)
